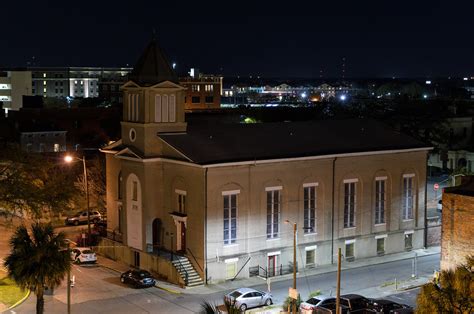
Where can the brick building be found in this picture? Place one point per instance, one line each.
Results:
(457, 231)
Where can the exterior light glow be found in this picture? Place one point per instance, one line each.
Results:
(342, 97)
(68, 158)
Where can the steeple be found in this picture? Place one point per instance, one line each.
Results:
(153, 67)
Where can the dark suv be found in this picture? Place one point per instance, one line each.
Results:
(357, 303)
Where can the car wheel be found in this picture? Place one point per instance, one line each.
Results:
(243, 307)
(76, 222)
(268, 302)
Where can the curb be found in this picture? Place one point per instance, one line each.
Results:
(156, 286)
(20, 301)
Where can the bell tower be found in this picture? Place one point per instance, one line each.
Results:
(153, 102)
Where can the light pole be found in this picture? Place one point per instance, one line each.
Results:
(69, 159)
(295, 228)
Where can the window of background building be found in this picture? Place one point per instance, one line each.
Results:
(56, 148)
(349, 204)
(273, 213)
(380, 246)
(380, 201)
(195, 88)
(196, 99)
(407, 197)
(209, 99)
(309, 206)
(230, 218)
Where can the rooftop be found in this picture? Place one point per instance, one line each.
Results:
(222, 143)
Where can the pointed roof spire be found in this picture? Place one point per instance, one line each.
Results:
(153, 67)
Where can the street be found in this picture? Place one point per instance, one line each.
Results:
(99, 290)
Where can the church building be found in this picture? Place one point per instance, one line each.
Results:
(206, 203)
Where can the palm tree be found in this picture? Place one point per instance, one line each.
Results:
(454, 293)
(37, 260)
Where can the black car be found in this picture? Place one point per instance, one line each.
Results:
(357, 303)
(387, 306)
(137, 278)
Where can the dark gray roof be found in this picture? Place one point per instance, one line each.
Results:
(153, 67)
(208, 144)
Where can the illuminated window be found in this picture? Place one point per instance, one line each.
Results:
(309, 205)
(44, 90)
(44, 83)
(230, 218)
(380, 201)
(349, 203)
(56, 148)
(407, 199)
(273, 213)
(44, 74)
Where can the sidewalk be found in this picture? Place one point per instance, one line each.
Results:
(254, 281)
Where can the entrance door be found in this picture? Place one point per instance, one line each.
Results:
(272, 265)
(183, 236)
(156, 230)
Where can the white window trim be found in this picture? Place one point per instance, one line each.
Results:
(408, 175)
(180, 192)
(379, 225)
(350, 241)
(409, 232)
(380, 178)
(274, 253)
(231, 260)
(311, 248)
(381, 236)
(232, 192)
(308, 185)
(273, 188)
(351, 180)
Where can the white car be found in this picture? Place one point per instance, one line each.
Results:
(83, 255)
(312, 303)
(245, 298)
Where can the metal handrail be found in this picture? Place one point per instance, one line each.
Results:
(265, 271)
(185, 272)
(241, 269)
(195, 260)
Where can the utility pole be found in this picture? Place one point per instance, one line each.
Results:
(338, 289)
(294, 264)
(69, 280)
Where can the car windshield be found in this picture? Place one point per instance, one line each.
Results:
(143, 274)
(313, 301)
(235, 294)
(87, 252)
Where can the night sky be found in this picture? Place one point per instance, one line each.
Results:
(381, 38)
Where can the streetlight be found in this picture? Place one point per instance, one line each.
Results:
(69, 159)
(294, 260)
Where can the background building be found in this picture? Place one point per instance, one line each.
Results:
(458, 218)
(202, 91)
(13, 86)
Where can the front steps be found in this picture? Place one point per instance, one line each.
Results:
(184, 266)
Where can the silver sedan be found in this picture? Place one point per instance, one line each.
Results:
(245, 298)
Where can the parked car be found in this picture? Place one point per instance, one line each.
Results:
(387, 306)
(83, 255)
(245, 298)
(137, 278)
(330, 308)
(439, 206)
(81, 218)
(356, 303)
(310, 305)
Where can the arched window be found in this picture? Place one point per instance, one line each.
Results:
(119, 185)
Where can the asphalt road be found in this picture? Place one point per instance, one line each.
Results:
(99, 290)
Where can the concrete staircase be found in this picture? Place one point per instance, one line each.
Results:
(184, 267)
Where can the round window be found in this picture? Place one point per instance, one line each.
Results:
(133, 135)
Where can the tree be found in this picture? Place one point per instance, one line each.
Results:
(37, 260)
(454, 293)
(32, 183)
(96, 184)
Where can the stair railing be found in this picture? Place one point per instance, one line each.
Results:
(186, 276)
(195, 260)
